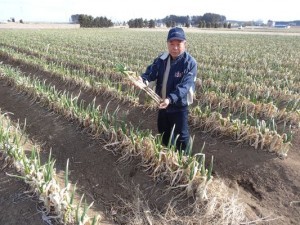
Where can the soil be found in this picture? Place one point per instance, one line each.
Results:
(17, 206)
(265, 183)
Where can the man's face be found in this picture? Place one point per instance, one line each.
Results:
(176, 47)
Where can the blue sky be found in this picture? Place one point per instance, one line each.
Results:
(123, 10)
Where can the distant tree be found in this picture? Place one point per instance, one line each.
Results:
(102, 22)
(130, 22)
(200, 24)
(145, 23)
(21, 21)
(213, 18)
(97, 22)
(140, 23)
(75, 18)
(229, 25)
(168, 23)
(85, 20)
(137, 23)
(188, 21)
(195, 20)
(89, 21)
(173, 20)
(151, 24)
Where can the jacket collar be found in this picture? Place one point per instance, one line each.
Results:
(164, 56)
(178, 57)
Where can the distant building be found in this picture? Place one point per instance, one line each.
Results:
(271, 23)
(282, 25)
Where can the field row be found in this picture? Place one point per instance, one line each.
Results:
(256, 124)
(59, 204)
(250, 95)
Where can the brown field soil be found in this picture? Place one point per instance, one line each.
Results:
(265, 183)
(11, 25)
(294, 31)
(16, 205)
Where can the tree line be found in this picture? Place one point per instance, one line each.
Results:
(208, 20)
(140, 23)
(89, 21)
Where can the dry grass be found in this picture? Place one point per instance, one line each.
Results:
(220, 208)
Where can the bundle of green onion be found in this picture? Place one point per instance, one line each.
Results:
(132, 76)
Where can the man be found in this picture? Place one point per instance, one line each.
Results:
(175, 74)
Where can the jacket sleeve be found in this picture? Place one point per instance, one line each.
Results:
(187, 83)
(151, 72)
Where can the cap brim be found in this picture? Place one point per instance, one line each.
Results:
(176, 38)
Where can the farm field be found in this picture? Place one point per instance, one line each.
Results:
(246, 114)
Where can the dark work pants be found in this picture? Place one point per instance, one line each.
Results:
(166, 121)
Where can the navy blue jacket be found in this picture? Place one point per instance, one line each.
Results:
(181, 80)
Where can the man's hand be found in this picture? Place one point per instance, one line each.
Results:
(164, 104)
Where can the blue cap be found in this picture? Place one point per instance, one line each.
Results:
(176, 33)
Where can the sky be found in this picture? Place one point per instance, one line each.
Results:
(124, 10)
